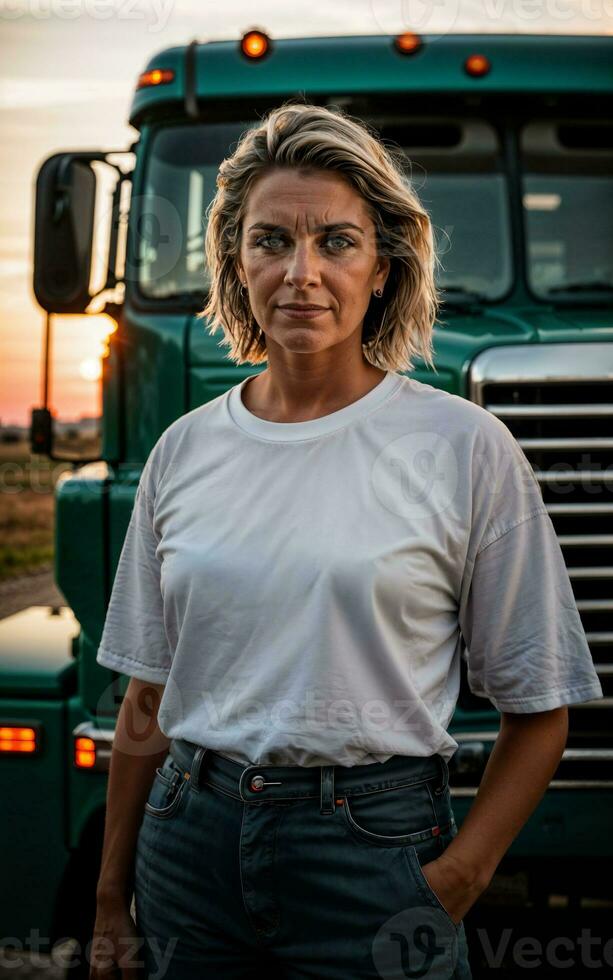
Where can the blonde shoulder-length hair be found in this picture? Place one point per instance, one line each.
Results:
(398, 326)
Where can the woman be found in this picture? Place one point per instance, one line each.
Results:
(305, 553)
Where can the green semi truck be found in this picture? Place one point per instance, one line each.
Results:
(508, 141)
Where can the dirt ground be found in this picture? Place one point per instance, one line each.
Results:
(33, 589)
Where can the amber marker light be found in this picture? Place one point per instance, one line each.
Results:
(84, 753)
(255, 44)
(156, 76)
(17, 740)
(408, 43)
(477, 65)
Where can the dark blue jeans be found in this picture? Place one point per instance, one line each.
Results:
(295, 872)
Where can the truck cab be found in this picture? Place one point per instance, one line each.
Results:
(508, 143)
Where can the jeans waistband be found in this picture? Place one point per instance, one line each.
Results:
(257, 784)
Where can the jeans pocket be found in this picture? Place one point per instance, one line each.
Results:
(417, 857)
(167, 790)
(392, 817)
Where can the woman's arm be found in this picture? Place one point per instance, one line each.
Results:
(138, 748)
(521, 765)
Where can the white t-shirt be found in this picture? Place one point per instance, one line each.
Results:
(305, 590)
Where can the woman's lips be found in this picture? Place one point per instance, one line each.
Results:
(302, 314)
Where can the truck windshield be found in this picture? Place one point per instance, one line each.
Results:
(568, 207)
(468, 212)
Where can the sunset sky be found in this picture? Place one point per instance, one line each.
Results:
(67, 72)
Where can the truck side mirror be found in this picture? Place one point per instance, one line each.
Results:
(66, 190)
(63, 234)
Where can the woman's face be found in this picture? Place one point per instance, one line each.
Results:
(287, 256)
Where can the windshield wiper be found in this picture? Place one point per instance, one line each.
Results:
(463, 294)
(596, 286)
(188, 297)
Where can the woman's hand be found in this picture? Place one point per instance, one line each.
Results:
(452, 888)
(116, 949)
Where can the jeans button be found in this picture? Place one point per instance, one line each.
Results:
(257, 784)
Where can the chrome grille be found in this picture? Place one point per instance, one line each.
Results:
(557, 400)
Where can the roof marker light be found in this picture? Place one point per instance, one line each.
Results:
(408, 43)
(254, 44)
(477, 65)
(155, 76)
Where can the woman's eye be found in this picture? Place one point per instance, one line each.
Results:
(346, 242)
(267, 238)
(341, 238)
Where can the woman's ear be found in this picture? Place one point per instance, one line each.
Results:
(383, 270)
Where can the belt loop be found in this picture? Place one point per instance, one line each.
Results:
(196, 766)
(326, 798)
(445, 774)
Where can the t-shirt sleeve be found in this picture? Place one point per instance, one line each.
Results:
(134, 639)
(526, 648)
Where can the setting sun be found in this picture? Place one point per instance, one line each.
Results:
(90, 369)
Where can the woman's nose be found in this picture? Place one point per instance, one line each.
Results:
(302, 267)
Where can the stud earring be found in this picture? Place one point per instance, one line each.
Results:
(378, 293)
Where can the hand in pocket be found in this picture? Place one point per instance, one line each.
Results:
(452, 890)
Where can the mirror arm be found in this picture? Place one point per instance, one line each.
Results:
(117, 216)
(41, 425)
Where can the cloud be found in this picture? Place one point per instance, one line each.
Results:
(38, 93)
(14, 243)
(14, 268)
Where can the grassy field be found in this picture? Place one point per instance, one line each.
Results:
(27, 506)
